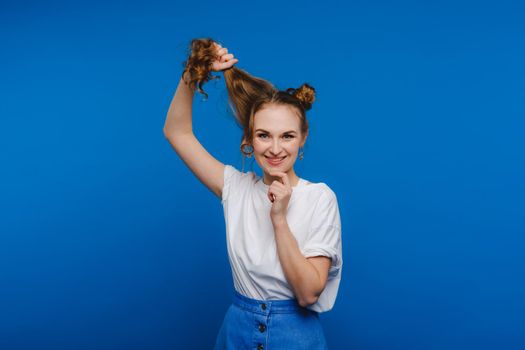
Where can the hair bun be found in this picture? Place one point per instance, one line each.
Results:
(305, 93)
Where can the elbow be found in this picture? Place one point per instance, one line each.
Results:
(311, 296)
(172, 136)
(307, 300)
(166, 133)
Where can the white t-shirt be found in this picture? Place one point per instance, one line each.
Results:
(313, 218)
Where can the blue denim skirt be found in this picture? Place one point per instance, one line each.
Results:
(269, 324)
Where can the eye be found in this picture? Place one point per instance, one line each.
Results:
(262, 135)
(289, 136)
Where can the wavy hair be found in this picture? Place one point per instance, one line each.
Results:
(247, 94)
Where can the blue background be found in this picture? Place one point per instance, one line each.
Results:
(107, 241)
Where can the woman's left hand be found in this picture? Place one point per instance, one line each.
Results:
(279, 194)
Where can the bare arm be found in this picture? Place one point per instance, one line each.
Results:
(179, 118)
(307, 276)
(179, 132)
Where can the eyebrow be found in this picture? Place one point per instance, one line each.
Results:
(286, 132)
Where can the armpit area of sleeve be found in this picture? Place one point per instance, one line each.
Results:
(229, 173)
(328, 251)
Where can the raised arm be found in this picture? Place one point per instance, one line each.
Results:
(179, 131)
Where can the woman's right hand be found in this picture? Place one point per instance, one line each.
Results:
(224, 59)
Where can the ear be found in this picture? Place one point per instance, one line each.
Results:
(304, 139)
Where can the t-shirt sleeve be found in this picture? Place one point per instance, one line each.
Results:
(232, 179)
(324, 236)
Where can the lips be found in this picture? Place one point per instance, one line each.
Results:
(275, 161)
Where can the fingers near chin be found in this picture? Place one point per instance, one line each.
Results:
(278, 173)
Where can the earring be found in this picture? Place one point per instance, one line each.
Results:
(248, 152)
(301, 153)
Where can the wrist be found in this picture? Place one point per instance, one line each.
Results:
(185, 77)
(279, 221)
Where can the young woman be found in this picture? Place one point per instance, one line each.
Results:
(283, 232)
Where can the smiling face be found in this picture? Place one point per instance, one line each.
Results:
(277, 138)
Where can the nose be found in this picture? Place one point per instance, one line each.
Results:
(276, 147)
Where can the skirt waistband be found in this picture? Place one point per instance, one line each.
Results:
(266, 307)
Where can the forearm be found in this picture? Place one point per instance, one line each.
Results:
(179, 118)
(298, 271)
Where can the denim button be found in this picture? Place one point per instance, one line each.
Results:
(263, 306)
(262, 328)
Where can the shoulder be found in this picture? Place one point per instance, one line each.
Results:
(322, 191)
